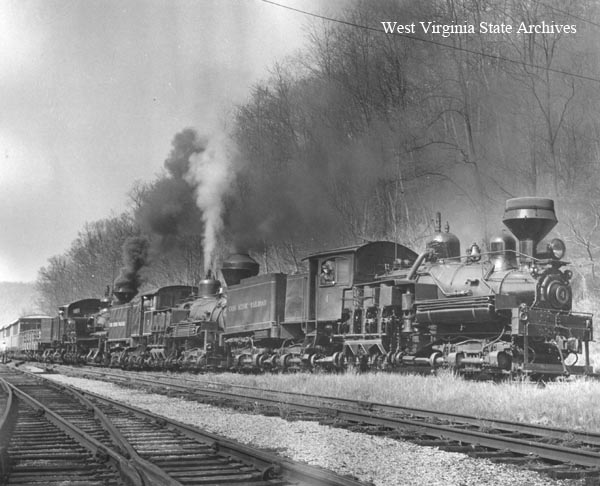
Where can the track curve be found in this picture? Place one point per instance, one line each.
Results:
(151, 450)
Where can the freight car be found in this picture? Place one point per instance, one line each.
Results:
(21, 338)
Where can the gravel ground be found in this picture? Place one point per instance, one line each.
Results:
(382, 461)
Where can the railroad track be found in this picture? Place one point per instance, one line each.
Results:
(557, 452)
(38, 448)
(92, 441)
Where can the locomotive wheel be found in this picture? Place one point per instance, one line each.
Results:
(434, 359)
(313, 361)
(339, 360)
(259, 360)
(282, 362)
(200, 364)
(458, 364)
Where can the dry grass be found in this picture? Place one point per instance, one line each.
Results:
(571, 405)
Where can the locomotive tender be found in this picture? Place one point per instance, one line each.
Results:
(374, 306)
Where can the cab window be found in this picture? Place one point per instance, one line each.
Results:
(327, 275)
(343, 271)
(334, 271)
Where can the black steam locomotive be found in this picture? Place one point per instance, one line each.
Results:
(375, 306)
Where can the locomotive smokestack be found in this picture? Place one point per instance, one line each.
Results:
(209, 286)
(124, 294)
(239, 266)
(530, 219)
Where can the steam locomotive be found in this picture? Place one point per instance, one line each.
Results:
(375, 306)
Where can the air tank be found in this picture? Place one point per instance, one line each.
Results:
(237, 267)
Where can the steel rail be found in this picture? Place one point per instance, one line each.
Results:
(127, 470)
(589, 438)
(372, 414)
(272, 466)
(151, 475)
(268, 462)
(7, 423)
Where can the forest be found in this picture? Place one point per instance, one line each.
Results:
(363, 136)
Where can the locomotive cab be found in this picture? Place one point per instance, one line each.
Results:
(351, 303)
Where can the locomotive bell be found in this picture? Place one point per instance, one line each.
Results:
(529, 219)
(239, 266)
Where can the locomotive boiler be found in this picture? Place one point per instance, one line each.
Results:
(504, 312)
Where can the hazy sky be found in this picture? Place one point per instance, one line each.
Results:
(93, 91)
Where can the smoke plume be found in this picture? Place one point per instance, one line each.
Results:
(169, 207)
(135, 256)
(185, 144)
(210, 173)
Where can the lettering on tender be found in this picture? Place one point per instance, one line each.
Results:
(247, 305)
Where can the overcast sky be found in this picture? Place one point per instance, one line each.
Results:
(92, 93)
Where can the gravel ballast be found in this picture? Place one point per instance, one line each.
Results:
(379, 460)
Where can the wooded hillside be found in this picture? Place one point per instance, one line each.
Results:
(366, 135)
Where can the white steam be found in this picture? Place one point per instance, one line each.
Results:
(211, 173)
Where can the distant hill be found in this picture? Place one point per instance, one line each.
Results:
(17, 299)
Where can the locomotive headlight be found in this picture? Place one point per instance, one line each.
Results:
(557, 248)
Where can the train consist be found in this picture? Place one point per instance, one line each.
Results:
(376, 306)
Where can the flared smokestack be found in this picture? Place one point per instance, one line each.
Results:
(530, 219)
(239, 266)
(209, 286)
(124, 294)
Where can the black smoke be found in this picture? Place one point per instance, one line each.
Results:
(166, 211)
(168, 208)
(135, 257)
